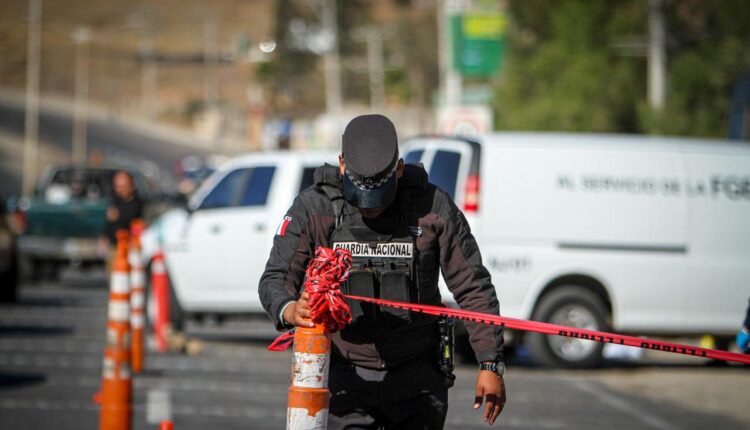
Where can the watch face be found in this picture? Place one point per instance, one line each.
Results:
(499, 368)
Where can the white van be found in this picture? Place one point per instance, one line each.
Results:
(639, 235)
(216, 250)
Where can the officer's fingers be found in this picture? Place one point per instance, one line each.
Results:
(302, 316)
(478, 396)
(301, 321)
(496, 412)
(302, 311)
(489, 406)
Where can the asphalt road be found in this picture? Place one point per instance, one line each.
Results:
(117, 142)
(51, 346)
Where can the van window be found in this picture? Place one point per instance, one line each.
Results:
(413, 156)
(225, 191)
(307, 178)
(444, 171)
(258, 186)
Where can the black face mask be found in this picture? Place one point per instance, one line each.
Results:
(385, 223)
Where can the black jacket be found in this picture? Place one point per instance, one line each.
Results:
(445, 235)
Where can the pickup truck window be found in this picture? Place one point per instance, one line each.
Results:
(444, 171)
(414, 156)
(225, 192)
(257, 186)
(90, 183)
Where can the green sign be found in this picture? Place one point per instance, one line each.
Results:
(478, 43)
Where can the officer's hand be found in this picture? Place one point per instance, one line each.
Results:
(491, 387)
(298, 313)
(743, 340)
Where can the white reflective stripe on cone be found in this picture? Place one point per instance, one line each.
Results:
(310, 370)
(300, 419)
(134, 257)
(120, 283)
(137, 278)
(137, 299)
(157, 267)
(108, 368)
(125, 372)
(137, 320)
(119, 311)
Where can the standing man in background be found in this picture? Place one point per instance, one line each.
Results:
(125, 206)
(386, 371)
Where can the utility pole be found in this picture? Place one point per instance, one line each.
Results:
(31, 124)
(210, 61)
(148, 71)
(375, 64)
(331, 66)
(81, 37)
(657, 59)
(451, 83)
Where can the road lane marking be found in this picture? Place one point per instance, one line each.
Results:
(158, 406)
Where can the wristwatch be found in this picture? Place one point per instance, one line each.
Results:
(497, 368)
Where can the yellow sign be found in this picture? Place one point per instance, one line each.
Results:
(484, 26)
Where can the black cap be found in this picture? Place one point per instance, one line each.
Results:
(370, 149)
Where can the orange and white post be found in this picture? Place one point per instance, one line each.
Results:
(308, 393)
(117, 387)
(137, 297)
(160, 296)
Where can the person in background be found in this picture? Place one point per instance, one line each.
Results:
(125, 206)
(743, 336)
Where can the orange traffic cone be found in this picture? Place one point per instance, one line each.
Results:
(117, 387)
(137, 296)
(166, 425)
(160, 296)
(308, 393)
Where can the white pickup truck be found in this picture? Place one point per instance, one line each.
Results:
(216, 249)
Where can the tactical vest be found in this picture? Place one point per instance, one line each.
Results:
(382, 267)
(386, 264)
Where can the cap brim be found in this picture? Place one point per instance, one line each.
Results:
(379, 197)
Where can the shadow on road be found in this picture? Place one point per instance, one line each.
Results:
(24, 330)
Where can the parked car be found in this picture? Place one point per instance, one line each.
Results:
(8, 257)
(66, 216)
(216, 249)
(641, 235)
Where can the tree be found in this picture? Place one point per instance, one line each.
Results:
(566, 72)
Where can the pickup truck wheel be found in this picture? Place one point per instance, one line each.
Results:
(571, 306)
(9, 282)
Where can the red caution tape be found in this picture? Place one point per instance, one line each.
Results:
(283, 342)
(558, 330)
(325, 273)
(329, 268)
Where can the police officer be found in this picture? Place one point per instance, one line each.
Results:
(385, 366)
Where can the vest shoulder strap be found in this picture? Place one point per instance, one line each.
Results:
(327, 180)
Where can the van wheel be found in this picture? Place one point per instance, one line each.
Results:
(571, 306)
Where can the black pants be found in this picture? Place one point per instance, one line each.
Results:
(411, 397)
